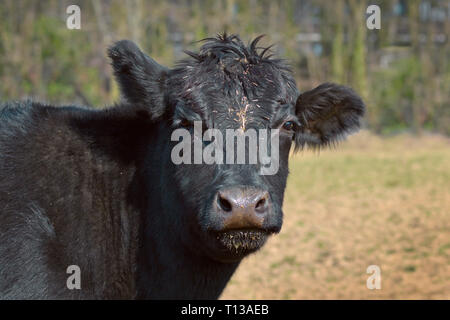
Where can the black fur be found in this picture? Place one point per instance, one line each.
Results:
(327, 113)
(98, 189)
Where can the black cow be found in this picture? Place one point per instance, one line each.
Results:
(98, 188)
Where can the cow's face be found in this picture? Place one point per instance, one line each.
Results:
(233, 194)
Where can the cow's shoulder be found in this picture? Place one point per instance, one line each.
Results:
(26, 237)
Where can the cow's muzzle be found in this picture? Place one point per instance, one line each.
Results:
(242, 208)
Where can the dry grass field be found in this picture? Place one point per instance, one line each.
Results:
(381, 201)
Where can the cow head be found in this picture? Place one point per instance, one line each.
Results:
(231, 207)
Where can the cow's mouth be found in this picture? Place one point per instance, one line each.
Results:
(242, 242)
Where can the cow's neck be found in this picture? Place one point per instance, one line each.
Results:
(180, 275)
(168, 269)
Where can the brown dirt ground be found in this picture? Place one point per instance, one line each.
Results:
(371, 200)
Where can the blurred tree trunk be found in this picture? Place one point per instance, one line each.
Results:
(358, 64)
(337, 49)
(430, 76)
(230, 14)
(105, 41)
(134, 10)
(419, 90)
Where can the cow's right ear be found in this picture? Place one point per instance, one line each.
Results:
(141, 79)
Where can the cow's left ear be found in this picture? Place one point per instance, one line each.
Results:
(141, 79)
(327, 114)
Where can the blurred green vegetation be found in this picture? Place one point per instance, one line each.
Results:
(402, 70)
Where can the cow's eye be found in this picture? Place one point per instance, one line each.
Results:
(288, 125)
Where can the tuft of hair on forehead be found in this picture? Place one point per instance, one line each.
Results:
(227, 74)
(231, 49)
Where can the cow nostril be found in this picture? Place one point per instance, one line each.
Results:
(224, 204)
(260, 204)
